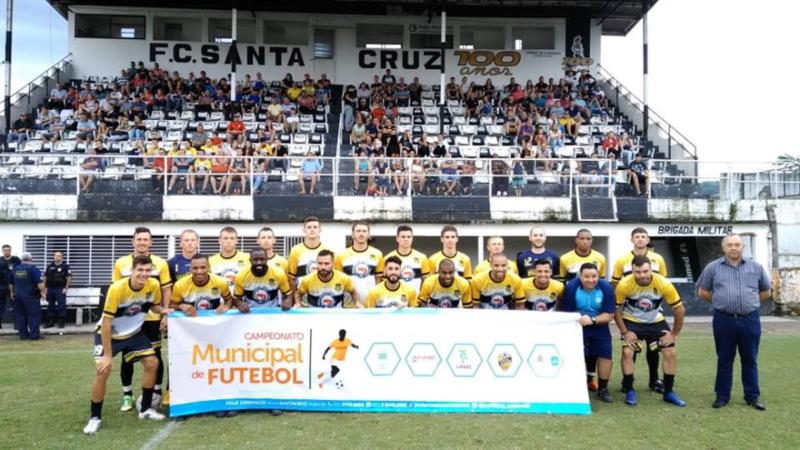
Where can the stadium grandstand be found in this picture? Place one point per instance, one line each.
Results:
(431, 112)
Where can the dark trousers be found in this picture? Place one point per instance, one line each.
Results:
(28, 313)
(4, 298)
(732, 333)
(56, 303)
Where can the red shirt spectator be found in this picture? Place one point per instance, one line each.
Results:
(378, 112)
(236, 126)
(610, 142)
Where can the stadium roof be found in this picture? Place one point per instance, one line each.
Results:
(618, 16)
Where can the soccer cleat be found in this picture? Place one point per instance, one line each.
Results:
(591, 384)
(657, 386)
(151, 414)
(155, 403)
(672, 397)
(127, 403)
(92, 426)
(630, 398)
(276, 412)
(604, 396)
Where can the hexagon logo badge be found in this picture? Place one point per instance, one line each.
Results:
(504, 360)
(464, 360)
(382, 359)
(545, 360)
(423, 359)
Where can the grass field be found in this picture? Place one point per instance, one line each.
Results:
(44, 401)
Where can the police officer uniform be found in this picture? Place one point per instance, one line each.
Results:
(56, 278)
(26, 279)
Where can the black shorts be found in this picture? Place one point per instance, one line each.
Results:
(152, 331)
(650, 333)
(133, 347)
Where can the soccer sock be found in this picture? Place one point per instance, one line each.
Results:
(652, 364)
(603, 384)
(160, 370)
(126, 373)
(147, 399)
(127, 390)
(627, 382)
(157, 389)
(591, 366)
(97, 409)
(669, 381)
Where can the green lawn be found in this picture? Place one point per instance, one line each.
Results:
(44, 387)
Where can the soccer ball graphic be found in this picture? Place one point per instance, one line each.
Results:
(339, 384)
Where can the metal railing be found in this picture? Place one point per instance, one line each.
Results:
(385, 177)
(36, 82)
(654, 118)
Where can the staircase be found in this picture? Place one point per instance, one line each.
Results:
(36, 91)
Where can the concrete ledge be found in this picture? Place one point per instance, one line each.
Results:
(208, 208)
(372, 208)
(536, 209)
(39, 207)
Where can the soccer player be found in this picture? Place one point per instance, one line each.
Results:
(201, 291)
(361, 262)
(180, 265)
(593, 298)
(638, 316)
(446, 289)
(303, 256)
(229, 261)
(340, 347)
(542, 292)
(494, 245)
(498, 288)
(571, 262)
(414, 266)
(262, 285)
(325, 287)
(391, 292)
(623, 268)
(266, 240)
(526, 259)
(449, 238)
(123, 267)
(128, 302)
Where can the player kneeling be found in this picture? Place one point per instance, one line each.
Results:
(120, 330)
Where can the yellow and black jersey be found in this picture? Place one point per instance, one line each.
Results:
(542, 299)
(457, 295)
(462, 262)
(491, 294)
(642, 304)
(382, 297)
(280, 262)
(414, 267)
(227, 268)
(123, 268)
(206, 297)
(570, 264)
(623, 266)
(361, 267)
(127, 308)
(316, 293)
(267, 290)
(303, 260)
(486, 265)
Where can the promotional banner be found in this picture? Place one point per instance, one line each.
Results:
(411, 360)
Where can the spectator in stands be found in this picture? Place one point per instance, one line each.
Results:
(294, 91)
(500, 171)
(202, 169)
(86, 128)
(238, 168)
(287, 82)
(275, 111)
(20, 130)
(518, 177)
(402, 93)
(453, 90)
(610, 144)
(290, 118)
(590, 170)
(449, 180)
(359, 132)
(640, 176)
(489, 89)
(363, 91)
(182, 165)
(323, 89)
(526, 130)
(555, 137)
(236, 129)
(415, 91)
(471, 105)
(89, 167)
(627, 149)
(307, 104)
(138, 129)
(417, 174)
(57, 96)
(220, 163)
(362, 170)
(399, 174)
(350, 96)
(572, 120)
(380, 168)
(388, 78)
(311, 168)
(466, 176)
(102, 131)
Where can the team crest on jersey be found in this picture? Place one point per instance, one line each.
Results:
(361, 270)
(407, 273)
(261, 296)
(498, 300)
(645, 304)
(327, 301)
(337, 287)
(504, 360)
(203, 304)
(540, 306)
(133, 309)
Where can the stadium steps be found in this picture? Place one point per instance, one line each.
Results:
(334, 116)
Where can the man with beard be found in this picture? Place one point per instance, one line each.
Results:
(325, 287)
(498, 288)
(446, 289)
(391, 292)
(261, 285)
(202, 291)
(542, 293)
(362, 262)
(414, 265)
(526, 260)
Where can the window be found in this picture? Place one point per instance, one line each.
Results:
(176, 29)
(534, 38)
(323, 43)
(482, 38)
(419, 40)
(219, 30)
(374, 35)
(109, 27)
(286, 33)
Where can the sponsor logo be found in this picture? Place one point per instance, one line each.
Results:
(504, 360)
(407, 273)
(133, 309)
(203, 304)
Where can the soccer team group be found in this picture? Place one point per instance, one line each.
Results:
(146, 287)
